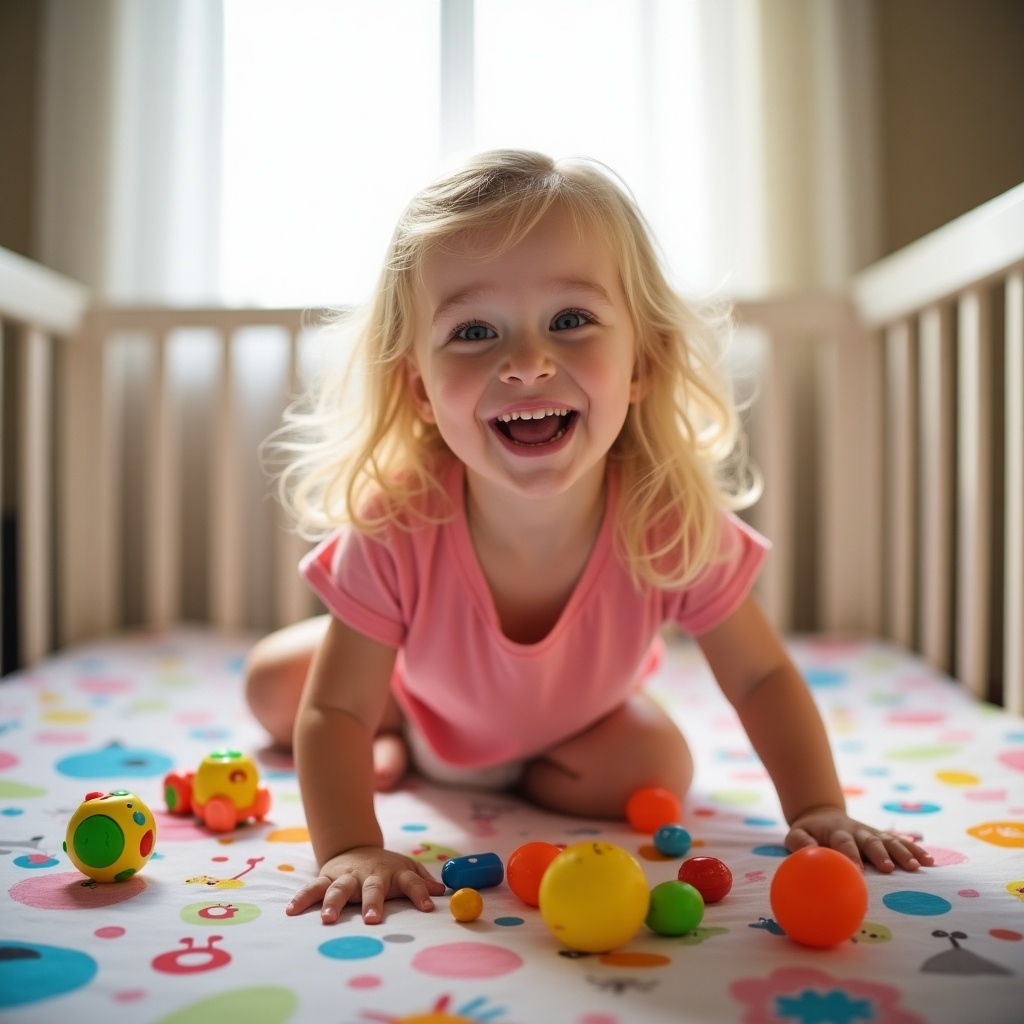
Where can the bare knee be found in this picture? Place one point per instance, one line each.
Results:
(594, 773)
(275, 673)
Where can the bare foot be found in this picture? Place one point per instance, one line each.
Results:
(390, 761)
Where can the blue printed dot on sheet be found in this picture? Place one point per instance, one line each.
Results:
(508, 922)
(760, 822)
(823, 677)
(916, 904)
(351, 947)
(414, 827)
(911, 807)
(770, 850)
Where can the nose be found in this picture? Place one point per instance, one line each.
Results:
(527, 359)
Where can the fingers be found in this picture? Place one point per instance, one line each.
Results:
(798, 838)
(844, 842)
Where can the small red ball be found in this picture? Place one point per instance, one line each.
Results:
(708, 875)
(650, 808)
(819, 897)
(526, 867)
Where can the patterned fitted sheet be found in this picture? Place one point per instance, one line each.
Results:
(200, 935)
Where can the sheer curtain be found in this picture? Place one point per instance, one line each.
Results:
(258, 151)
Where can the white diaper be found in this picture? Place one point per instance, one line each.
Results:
(430, 766)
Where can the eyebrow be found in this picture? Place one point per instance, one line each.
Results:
(476, 294)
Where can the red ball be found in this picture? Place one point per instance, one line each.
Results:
(819, 897)
(708, 875)
(650, 808)
(526, 867)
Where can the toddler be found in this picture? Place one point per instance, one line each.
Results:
(541, 473)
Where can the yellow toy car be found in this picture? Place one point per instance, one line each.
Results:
(224, 791)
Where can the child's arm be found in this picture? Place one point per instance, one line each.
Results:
(784, 727)
(342, 705)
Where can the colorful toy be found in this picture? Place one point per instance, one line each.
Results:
(650, 808)
(708, 875)
(224, 791)
(476, 871)
(672, 841)
(819, 897)
(526, 867)
(594, 897)
(466, 905)
(676, 908)
(111, 836)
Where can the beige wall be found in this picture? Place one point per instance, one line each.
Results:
(20, 22)
(952, 92)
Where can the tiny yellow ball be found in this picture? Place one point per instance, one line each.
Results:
(466, 905)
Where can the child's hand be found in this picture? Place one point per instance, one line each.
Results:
(829, 826)
(368, 875)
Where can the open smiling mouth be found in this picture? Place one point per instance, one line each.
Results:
(536, 427)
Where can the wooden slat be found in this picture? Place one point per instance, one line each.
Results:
(35, 493)
(90, 401)
(974, 479)
(771, 431)
(1013, 628)
(936, 460)
(163, 508)
(901, 452)
(291, 594)
(850, 484)
(227, 512)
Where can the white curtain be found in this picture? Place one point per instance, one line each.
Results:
(130, 125)
(257, 151)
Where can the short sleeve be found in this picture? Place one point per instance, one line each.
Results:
(726, 582)
(358, 579)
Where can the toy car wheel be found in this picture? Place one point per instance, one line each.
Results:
(178, 793)
(262, 805)
(219, 814)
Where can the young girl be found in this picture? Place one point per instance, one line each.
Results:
(539, 476)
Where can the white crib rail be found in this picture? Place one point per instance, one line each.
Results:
(875, 422)
(949, 311)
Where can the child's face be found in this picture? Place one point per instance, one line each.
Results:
(541, 330)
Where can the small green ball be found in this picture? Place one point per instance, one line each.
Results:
(676, 908)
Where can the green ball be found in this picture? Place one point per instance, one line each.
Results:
(676, 908)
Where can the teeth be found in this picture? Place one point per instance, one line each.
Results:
(535, 414)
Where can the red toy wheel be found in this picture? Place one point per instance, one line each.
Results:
(262, 805)
(219, 814)
(178, 793)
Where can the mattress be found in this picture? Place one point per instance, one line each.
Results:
(199, 934)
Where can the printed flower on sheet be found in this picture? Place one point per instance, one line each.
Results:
(804, 995)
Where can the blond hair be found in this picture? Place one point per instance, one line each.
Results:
(680, 454)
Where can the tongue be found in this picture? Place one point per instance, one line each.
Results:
(534, 431)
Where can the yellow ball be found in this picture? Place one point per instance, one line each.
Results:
(111, 836)
(466, 905)
(594, 897)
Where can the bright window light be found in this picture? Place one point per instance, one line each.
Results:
(331, 122)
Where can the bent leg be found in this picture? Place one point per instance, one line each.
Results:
(275, 673)
(594, 773)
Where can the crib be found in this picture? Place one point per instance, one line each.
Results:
(142, 552)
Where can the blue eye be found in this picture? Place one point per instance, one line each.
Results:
(569, 320)
(474, 332)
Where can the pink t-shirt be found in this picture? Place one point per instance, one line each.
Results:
(477, 697)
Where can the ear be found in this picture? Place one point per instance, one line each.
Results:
(418, 390)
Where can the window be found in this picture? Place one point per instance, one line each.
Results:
(335, 113)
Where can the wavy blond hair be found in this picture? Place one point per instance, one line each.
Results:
(681, 451)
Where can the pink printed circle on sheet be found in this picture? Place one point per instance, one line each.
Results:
(1012, 759)
(71, 890)
(467, 960)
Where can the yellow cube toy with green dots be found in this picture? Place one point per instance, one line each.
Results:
(111, 836)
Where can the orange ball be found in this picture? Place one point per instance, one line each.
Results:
(466, 905)
(526, 867)
(819, 897)
(650, 808)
